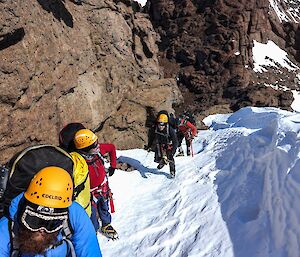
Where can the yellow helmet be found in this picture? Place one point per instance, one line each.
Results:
(163, 118)
(51, 187)
(84, 138)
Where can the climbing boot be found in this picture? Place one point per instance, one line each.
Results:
(109, 232)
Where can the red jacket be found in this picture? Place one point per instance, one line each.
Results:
(184, 126)
(97, 171)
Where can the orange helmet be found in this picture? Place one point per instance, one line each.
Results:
(51, 187)
(84, 138)
(163, 118)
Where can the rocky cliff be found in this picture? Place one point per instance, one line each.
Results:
(94, 63)
(207, 46)
(111, 64)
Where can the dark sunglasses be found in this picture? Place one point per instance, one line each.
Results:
(94, 148)
(35, 222)
(91, 149)
(161, 124)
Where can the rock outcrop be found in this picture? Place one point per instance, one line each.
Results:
(103, 64)
(207, 47)
(94, 63)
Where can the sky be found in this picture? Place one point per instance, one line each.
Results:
(236, 197)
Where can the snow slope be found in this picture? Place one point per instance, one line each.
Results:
(142, 2)
(270, 55)
(237, 197)
(286, 10)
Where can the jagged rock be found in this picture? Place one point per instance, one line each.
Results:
(94, 63)
(211, 43)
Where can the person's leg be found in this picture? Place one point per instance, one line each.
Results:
(171, 163)
(103, 210)
(161, 156)
(105, 216)
(94, 217)
(157, 156)
(180, 137)
(188, 147)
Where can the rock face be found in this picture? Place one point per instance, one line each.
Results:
(103, 64)
(207, 47)
(94, 63)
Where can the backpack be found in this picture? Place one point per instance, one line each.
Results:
(67, 134)
(81, 182)
(188, 116)
(24, 165)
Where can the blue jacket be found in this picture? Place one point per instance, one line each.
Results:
(84, 237)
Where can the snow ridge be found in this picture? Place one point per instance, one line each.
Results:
(236, 197)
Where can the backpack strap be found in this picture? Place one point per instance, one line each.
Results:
(68, 231)
(14, 244)
(80, 187)
(4, 174)
(71, 248)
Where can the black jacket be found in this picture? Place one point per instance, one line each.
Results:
(165, 137)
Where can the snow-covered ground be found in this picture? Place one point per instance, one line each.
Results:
(142, 2)
(237, 197)
(270, 55)
(286, 10)
(296, 103)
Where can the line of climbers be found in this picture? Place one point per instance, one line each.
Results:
(167, 134)
(56, 197)
(40, 217)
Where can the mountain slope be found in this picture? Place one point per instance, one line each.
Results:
(236, 197)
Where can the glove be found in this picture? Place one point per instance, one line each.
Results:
(111, 171)
(165, 159)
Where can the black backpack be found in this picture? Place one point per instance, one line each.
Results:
(16, 176)
(189, 117)
(18, 172)
(67, 134)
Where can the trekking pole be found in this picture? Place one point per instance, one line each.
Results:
(111, 201)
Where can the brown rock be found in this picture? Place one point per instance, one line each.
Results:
(93, 63)
(211, 43)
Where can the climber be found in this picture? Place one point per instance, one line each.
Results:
(86, 143)
(44, 220)
(166, 143)
(186, 129)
